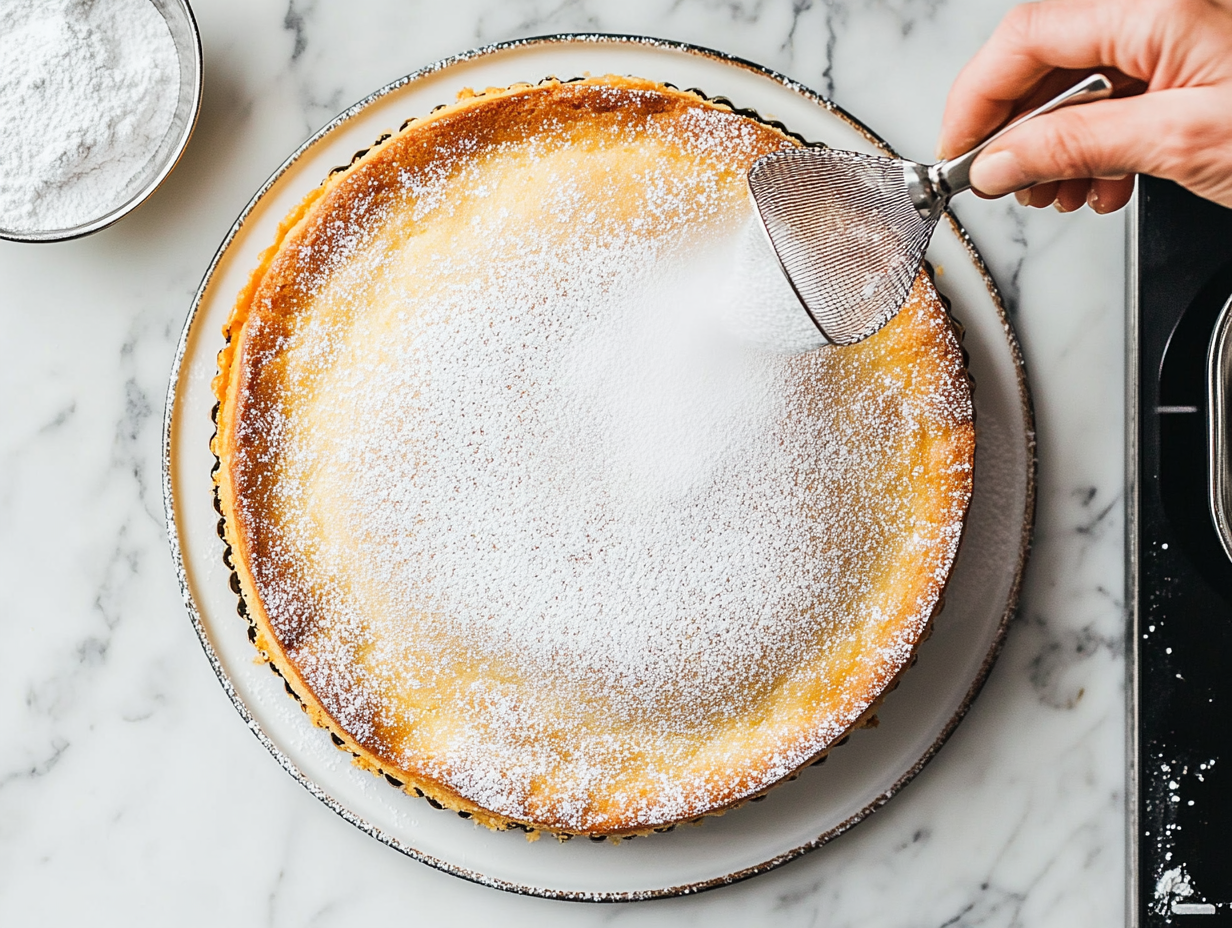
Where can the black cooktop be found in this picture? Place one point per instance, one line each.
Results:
(1179, 578)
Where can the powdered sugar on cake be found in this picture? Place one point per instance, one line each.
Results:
(533, 480)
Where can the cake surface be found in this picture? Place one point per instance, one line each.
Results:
(518, 527)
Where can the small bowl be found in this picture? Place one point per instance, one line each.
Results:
(183, 27)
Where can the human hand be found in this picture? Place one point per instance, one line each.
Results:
(1180, 128)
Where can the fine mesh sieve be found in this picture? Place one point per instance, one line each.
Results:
(850, 230)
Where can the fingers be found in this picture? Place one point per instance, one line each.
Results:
(1030, 43)
(1072, 194)
(1103, 195)
(1112, 138)
(1107, 196)
(1038, 196)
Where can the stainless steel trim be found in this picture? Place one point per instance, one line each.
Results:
(1132, 504)
(187, 38)
(1193, 908)
(1219, 454)
(169, 502)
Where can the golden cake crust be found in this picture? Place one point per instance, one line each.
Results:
(902, 397)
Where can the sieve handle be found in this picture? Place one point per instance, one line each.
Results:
(954, 176)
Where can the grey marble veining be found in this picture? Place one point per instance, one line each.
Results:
(130, 793)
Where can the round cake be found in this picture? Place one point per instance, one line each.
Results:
(516, 521)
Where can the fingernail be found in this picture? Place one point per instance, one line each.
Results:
(1023, 197)
(1093, 199)
(998, 173)
(1059, 206)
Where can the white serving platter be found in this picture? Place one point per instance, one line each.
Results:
(795, 817)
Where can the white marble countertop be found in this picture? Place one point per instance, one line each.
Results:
(130, 791)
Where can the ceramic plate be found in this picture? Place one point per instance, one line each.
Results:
(796, 817)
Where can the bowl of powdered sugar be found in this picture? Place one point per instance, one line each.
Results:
(97, 99)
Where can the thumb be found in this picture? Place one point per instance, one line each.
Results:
(1110, 138)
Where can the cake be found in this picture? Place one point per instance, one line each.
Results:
(517, 527)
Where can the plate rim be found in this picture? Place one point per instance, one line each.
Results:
(1026, 408)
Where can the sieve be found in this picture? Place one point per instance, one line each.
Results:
(850, 230)
(187, 39)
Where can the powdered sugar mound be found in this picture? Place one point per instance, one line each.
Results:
(88, 90)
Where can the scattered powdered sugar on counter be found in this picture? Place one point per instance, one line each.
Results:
(538, 481)
(88, 91)
(1175, 892)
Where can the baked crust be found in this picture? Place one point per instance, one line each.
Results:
(266, 391)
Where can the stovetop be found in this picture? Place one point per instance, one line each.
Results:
(1179, 578)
